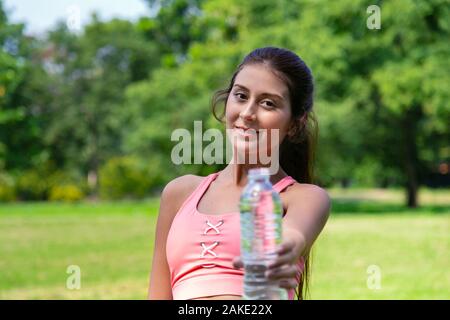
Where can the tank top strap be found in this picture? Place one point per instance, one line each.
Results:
(284, 183)
(195, 196)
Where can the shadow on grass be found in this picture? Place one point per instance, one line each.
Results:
(346, 206)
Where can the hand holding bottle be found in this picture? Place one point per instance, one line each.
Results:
(284, 267)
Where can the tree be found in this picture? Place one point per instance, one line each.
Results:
(118, 88)
(93, 69)
(21, 115)
(380, 93)
(175, 27)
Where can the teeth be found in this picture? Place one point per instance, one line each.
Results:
(248, 131)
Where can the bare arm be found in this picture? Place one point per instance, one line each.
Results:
(306, 216)
(172, 197)
(307, 212)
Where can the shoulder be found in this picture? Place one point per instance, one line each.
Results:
(301, 194)
(178, 189)
(302, 189)
(172, 197)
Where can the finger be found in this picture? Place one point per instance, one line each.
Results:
(288, 284)
(237, 263)
(285, 247)
(287, 258)
(282, 273)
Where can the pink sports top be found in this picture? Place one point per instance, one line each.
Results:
(201, 247)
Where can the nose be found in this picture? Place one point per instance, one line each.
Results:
(248, 113)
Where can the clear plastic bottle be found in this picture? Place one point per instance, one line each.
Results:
(261, 221)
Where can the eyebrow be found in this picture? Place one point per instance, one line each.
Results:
(266, 93)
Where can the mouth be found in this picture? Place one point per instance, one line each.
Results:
(246, 131)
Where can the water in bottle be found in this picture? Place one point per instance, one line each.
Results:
(261, 220)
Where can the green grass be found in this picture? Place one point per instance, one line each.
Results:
(112, 243)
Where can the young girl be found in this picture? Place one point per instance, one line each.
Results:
(197, 245)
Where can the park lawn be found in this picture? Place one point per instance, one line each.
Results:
(112, 243)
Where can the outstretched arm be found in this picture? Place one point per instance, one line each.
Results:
(307, 212)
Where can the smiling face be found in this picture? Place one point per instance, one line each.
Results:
(258, 100)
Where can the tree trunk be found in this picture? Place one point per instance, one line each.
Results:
(410, 155)
(412, 194)
(345, 183)
(92, 179)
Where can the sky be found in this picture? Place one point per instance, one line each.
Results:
(42, 15)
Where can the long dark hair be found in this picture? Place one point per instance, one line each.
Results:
(297, 151)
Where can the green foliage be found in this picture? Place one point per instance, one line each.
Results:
(371, 173)
(32, 185)
(7, 187)
(128, 177)
(45, 182)
(20, 123)
(175, 28)
(66, 193)
(96, 68)
(121, 87)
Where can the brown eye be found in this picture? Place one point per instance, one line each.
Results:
(240, 96)
(269, 103)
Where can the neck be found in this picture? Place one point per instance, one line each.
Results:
(237, 174)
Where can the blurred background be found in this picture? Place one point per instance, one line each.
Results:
(90, 92)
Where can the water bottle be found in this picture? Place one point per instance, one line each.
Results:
(260, 215)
